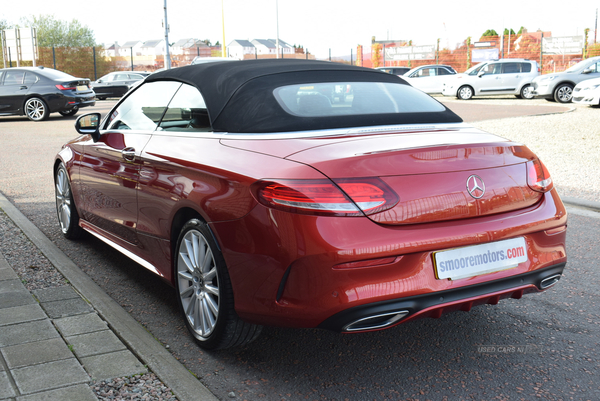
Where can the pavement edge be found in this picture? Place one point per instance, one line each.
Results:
(160, 361)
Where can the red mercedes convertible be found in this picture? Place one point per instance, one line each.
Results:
(309, 194)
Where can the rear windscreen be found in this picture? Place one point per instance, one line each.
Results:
(353, 98)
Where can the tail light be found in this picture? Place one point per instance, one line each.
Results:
(64, 88)
(538, 177)
(345, 197)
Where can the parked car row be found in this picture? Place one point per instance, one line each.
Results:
(36, 92)
(519, 77)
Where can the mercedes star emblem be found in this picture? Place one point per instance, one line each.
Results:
(475, 186)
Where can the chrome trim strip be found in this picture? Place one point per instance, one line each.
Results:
(124, 251)
(319, 133)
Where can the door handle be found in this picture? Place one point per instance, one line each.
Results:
(23, 87)
(128, 154)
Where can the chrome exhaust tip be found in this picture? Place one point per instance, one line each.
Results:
(375, 322)
(550, 281)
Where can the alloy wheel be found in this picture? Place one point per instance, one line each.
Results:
(527, 92)
(564, 94)
(63, 200)
(198, 283)
(36, 109)
(465, 93)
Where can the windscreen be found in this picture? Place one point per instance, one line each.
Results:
(353, 98)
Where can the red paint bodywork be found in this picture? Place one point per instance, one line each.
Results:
(284, 267)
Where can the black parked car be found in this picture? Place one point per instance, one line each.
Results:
(37, 91)
(116, 84)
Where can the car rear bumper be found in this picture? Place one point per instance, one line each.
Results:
(381, 315)
(84, 101)
(305, 270)
(66, 103)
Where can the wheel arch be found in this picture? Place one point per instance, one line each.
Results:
(573, 84)
(182, 216)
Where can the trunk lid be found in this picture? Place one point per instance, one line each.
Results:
(438, 175)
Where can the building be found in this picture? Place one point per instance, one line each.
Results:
(269, 47)
(153, 47)
(241, 49)
(130, 48)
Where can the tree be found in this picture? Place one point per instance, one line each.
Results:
(511, 32)
(489, 32)
(4, 25)
(54, 32)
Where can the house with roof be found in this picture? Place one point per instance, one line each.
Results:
(179, 47)
(153, 47)
(269, 47)
(112, 50)
(132, 47)
(240, 49)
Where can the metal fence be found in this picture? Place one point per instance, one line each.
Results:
(461, 58)
(92, 62)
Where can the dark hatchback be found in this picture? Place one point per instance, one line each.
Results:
(37, 91)
(116, 84)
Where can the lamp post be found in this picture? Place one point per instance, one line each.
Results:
(223, 50)
(277, 19)
(167, 54)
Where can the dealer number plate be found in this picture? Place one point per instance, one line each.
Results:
(475, 260)
(82, 88)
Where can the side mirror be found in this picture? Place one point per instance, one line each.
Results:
(99, 81)
(89, 124)
(481, 73)
(587, 71)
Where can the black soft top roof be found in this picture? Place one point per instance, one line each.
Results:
(239, 94)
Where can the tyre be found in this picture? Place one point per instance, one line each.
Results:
(36, 109)
(464, 92)
(563, 93)
(205, 293)
(69, 113)
(68, 218)
(526, 92)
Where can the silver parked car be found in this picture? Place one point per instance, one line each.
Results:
(495, 77)
(558, 87)
(429, 78)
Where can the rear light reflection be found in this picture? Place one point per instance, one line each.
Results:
(350, 197)
(538, 177)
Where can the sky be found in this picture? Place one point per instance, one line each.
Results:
(318, 25)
